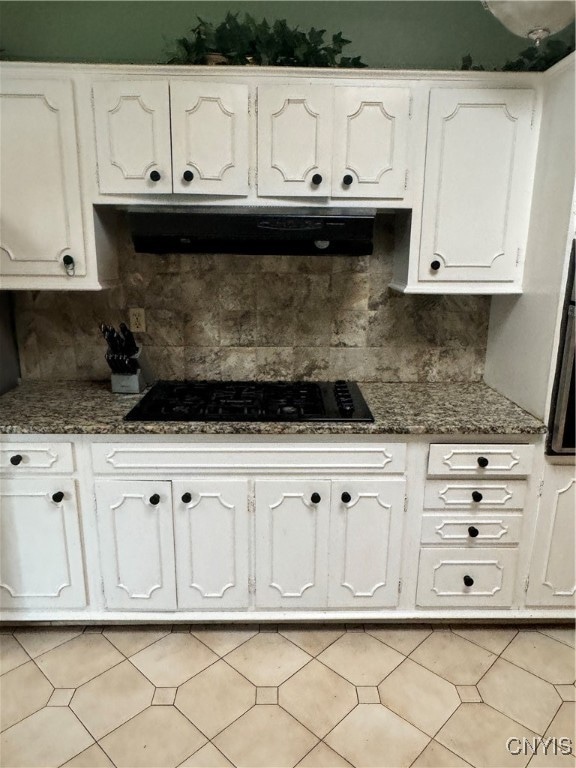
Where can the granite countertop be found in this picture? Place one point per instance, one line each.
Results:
(75, 407)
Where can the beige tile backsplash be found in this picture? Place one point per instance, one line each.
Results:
(260, 317)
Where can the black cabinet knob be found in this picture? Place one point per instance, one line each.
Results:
(68, 261)
(482, 462)
(186, 498)
(468, 581)
(57, 497)
(476, 496)
(346, 498)
(16, 459)
(435, 265)
(348, 179)
(315, 498)
(155, 176)
(154, 499)
(187, 175)
(473, 532)
(316, 179)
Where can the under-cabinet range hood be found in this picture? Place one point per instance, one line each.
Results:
(212, 229)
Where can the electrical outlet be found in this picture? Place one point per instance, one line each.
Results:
(137, 319)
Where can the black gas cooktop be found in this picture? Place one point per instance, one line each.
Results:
(252, 401)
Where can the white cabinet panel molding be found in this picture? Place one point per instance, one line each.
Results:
(41, 218)
(471, 530)
(210, 152)
(136, 544)
(480, 460)
(20, 458)
(212, 546)
(484, 494)
(133, 136)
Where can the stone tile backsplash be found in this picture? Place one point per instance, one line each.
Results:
(259, 317)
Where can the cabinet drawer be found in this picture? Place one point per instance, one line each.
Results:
(21, 458)
(489, 574)
(472, 530)
(261, 458)
(483, 495)
(459, 460)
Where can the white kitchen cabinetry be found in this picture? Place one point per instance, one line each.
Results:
(41, 552)
(477, 187)
(552, 578)
(41, 227)
(326, 141)
(292, 524)
(212, 543)
(186, 137)
(365, 543)
(136, 544)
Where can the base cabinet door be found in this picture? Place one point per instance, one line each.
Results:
(477, 187)
(291, 543)
(212, 543)
(136, 544)
(552, 578)
(365, 543)
(41, 218)
(40, 547)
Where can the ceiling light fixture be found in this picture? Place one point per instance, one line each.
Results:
(527, 18)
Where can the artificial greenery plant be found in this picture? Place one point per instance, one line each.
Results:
(249, 41)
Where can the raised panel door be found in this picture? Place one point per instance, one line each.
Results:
(479, 161)
(294, 140)
(292, 543)
(209, 138)
(553, 563)
(40, 547)
(136, 544)
(212, 543)
(41, 217)
(365, 543)
(371, 130)
(132, 120)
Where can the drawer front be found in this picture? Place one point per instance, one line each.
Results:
(458, 578)
(21, 458)
(471, 530)
(480, 496)
(274, 459)
(458, 460)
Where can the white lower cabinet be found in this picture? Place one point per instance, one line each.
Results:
(40, 546)
(552, 578)
(211, 536)
(136, 544)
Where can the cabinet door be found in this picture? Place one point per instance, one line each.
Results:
(212, 543)
(209, 138)
(41, 553)
(292, 543)
(41, 218)
(294, 140)
(553, 563)
(477, 189)
(371, 129)
(132, 120)
(136, 544)
(365, 543)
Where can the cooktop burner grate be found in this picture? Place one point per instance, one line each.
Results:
(252, 401)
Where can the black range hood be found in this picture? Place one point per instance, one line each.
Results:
(244, 230)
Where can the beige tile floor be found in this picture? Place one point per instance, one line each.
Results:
(249, 696)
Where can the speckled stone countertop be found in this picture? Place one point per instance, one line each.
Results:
(74, 407)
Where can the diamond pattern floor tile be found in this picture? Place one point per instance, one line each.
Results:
(494, 639)
(23, 691)
(453, 658)
(361, 659)
(323, 757)
(93, 757)
(267, 659)
(131, 640)
(543, 656)
(313, 641)
(171, 661)
(12, 654)
(437, 756)
(206, 757)
(400, 638)
(223, 641)
(78, 660)
(372, 736)
(265, 736)
(38, 641)
(565, 635)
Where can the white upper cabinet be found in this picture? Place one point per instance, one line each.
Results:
(370, 143)
(41, 218)
(132, 120)
(477, 187)
(209, 138)
(294, 140)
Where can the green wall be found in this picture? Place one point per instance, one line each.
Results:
(426, 34)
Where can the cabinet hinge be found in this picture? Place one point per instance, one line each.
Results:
(526, 583)
(405, 503)
(406, 180)
(252, 585)
(399, 586)
(533, 117)
(251, 505)
(410, 107)
(540, 488)
(518, 255)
